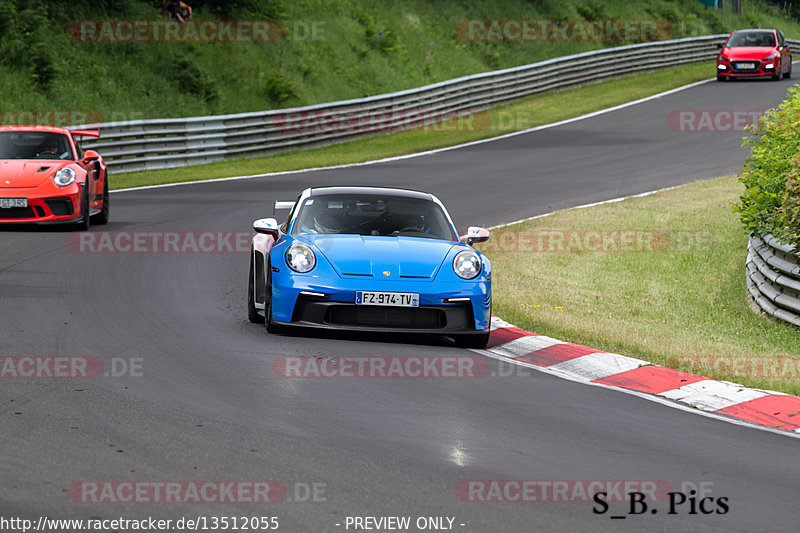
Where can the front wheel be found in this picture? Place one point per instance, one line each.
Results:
(788, 72)
(474, 340)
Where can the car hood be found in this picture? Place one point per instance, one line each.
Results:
(24, 173)
(748, 52)
(401, 257)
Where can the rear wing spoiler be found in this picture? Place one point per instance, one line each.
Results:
(282, 206)
(85, 133)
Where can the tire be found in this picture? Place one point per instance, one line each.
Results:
(788, 72)
(103, 216)
(721, 78)
(252, 312)
(474, 340)
(86, 220)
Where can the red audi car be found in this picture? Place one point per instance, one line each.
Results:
(45, 177)
(753, 54)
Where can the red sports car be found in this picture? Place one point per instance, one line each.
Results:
(45, 177)
(753, 54)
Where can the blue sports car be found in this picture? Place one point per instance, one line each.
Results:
(370, 259)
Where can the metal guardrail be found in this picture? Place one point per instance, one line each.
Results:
(168, 143)
(773, 278)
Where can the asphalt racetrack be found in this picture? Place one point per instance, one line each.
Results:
(198, 398)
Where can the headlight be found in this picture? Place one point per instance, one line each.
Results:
(64, 177)
(467, 264)
(721, 58)
(300, 258)
(773, 56)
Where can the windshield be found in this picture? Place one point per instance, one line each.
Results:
(379, 215)
(752, 38)
(34, 145)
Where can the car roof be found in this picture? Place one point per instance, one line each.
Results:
(770, 30)
(387, 191)
(48, 129)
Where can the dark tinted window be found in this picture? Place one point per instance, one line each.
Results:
(34, 145)
(378, 215)
(752, 38)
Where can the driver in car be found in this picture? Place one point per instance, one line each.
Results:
(52, 148)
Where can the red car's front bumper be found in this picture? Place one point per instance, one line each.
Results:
(738, 68)
(64, 206)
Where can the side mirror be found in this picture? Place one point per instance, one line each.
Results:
(476, 234)
(267, 226)
(90, 155)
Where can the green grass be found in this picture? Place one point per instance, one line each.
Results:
(361, 48)
(545, 108)
(678, 301)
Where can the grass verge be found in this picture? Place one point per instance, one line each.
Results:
(673, 292)
(541, 109)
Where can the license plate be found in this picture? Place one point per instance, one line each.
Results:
(396, 299)
(745, 66)
(7, 203)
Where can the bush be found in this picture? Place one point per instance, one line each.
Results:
(790, 209)
(24, 43)
(278, 90)
(592, 11)
(194, 79)
(770, 202)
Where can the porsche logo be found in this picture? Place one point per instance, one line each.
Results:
(386, 273)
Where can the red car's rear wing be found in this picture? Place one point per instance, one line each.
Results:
(85, 133)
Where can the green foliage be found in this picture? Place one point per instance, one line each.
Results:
(752, 18)
(24, 43)
(278, 90)
(790, 208)
(769, 202)
(229, 9)
(592, 10)
(194, 79)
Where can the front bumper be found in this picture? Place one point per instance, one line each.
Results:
(444, 307)
(62, 206)
(730, 69)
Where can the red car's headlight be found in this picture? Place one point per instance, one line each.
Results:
(64, 177)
